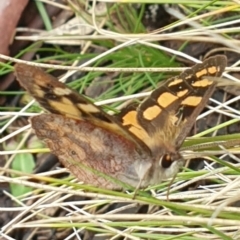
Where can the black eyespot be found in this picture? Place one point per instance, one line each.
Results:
(72, 152)
(166, 161)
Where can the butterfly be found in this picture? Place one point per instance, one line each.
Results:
(140, 146)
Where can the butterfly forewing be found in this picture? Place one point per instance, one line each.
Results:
(169, 113)
(57, 98)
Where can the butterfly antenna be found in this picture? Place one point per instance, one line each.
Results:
(169, 186)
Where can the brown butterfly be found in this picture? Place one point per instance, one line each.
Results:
(140, 146)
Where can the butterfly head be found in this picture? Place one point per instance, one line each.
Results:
(167, 160)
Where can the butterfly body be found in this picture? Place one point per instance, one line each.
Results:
(140, 145)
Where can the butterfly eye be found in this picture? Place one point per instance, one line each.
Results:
(166, 161)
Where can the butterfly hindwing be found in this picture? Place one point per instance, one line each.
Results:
(89, 151)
